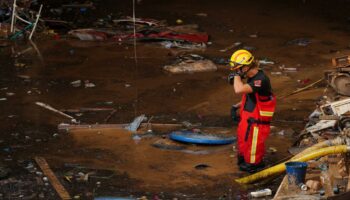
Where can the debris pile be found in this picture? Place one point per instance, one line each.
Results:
(20, 19)
(190, 64)
(339, 77)
(146, 30)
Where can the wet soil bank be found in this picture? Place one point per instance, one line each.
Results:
(135, 88)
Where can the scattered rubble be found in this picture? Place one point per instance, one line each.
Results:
(300, 42)
(191, 64)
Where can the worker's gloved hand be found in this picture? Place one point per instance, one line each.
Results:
(230, 78)
(235, 118)
(232, 75)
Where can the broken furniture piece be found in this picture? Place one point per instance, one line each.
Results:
(339, 77)
(330, 115)
(30, 25)
(336, 108)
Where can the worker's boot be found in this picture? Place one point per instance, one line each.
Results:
(252, 168)
(240, 159)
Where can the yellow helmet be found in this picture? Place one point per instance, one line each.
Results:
(241, 57)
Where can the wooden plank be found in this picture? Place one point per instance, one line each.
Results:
(348, 187)
(281, 191)
(61, 191)
(77, 110)
(70, 127)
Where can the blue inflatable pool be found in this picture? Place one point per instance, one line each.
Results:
(201, 138)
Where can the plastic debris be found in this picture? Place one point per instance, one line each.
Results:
(76, 83)
(183, 45)
(9, 94)
(234, 45)
(202, 14)
(266, 61)
(276, 73)
(133, 126)
(253, 35)
(272, 150)
(288, 69)
(136, 138)
(88, 84)
(179, 21)
(261, 193)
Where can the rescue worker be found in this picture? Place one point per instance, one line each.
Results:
(256, 109)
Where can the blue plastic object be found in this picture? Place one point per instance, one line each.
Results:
(200, 138)
(296, 172)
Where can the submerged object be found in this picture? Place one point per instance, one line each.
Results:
(134, 125)
(89, 34)
(201, 138)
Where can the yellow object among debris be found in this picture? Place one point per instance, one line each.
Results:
(303, 158)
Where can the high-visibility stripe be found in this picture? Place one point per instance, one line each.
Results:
(266, 113)
(254, 144)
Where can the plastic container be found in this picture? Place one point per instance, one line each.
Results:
(296, 172)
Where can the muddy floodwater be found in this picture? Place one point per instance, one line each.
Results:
(131, 80)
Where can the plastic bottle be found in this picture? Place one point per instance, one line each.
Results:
(326, 180)
(261, 193)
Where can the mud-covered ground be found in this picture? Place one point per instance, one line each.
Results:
(121, 166)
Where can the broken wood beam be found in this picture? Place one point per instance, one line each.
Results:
(302, 89)
(77, 110)
(109, 116)
(44, 166)
(70, 127)
(348, 187)
(281, 189)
